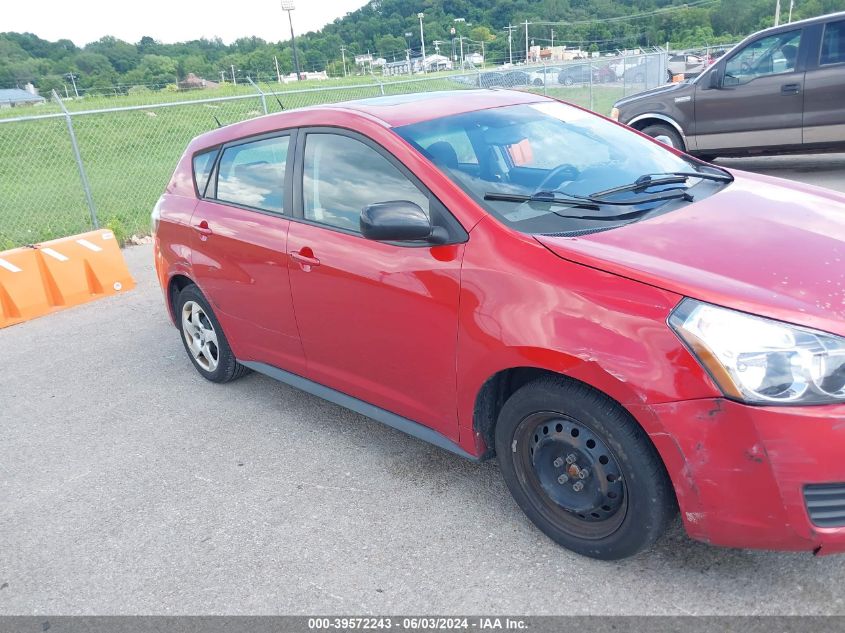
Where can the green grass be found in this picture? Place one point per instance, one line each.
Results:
(130, 155)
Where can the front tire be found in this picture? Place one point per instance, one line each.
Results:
(203, 338)
(583, 470)
(668, 132)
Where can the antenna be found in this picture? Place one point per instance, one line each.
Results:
(219, 124)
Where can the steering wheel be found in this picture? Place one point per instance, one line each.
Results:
(557, 176)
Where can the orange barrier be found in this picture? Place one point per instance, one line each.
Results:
(39, 279)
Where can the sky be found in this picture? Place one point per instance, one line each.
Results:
(84, 21)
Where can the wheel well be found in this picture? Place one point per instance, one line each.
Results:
(495, 392)
(644, 123)
(177, 283)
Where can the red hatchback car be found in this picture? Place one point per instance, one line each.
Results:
(628, 330)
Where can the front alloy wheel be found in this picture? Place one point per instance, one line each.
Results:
(200, 336)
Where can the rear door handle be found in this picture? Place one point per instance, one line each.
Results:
(203, 229)
(790, 89)
(305, 258)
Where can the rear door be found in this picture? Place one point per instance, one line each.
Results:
(760, 102)
(240, 229)
(379, 320)
(824, 98)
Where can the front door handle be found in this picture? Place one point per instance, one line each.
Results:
(790, 89)
(305, 258)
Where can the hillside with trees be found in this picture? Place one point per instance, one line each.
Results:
(380, 27)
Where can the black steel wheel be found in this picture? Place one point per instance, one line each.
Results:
(582, 469)
(566, 462)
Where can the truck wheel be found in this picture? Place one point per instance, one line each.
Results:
(669, 135)
(582, 469)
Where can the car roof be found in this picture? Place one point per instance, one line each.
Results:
(397, 110)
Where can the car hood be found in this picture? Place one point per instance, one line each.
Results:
(762, 245)
(675, 87)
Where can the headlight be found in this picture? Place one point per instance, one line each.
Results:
(762, 361)
(614, 114)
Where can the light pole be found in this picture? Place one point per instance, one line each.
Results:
(791, 6)
(288, 5)
(461, 38)
(777, 12)
(422, 38)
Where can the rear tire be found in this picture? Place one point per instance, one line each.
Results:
(554, 435)
(658, 129)
(203, 338)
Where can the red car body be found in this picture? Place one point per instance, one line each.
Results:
(422, 333)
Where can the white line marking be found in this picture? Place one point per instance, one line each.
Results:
(54, 254)
(89, 245)
(107, 236)
(9, 266)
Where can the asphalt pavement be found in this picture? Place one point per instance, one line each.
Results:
(130, 485)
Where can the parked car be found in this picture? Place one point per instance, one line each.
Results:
(580, 74)
(683, 64)
(781, 90)
(626, 329)
(545, 76)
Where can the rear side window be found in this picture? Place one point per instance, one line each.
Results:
(833, 44)
(253, 174)
(203, 164)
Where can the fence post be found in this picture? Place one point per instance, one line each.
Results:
(260, 94)
(545, 81)
(478, 77)
(78, 157)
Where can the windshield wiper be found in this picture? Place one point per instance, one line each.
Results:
(543, 196)
(647, 181)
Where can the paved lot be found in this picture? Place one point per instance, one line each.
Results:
(130, 485)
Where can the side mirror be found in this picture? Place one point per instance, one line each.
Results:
(398, 221)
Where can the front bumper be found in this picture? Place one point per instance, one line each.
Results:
(740, 471)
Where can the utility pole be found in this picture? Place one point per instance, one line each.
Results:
(222, 76)
(343, 55)
(526, 41)
(553, 38)
(777, 12)
(72, 78)
(791, 6)
(278, 74)
(288, 5)
(510, 30)
(422, 39)
(234, 79)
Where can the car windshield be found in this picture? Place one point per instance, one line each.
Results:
(548, 167)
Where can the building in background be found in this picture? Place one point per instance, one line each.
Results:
(15, 97)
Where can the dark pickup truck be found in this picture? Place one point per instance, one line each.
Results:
(781, 90)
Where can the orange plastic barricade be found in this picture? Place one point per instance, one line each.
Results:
(42, 278)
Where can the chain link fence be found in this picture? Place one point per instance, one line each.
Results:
(71, 169)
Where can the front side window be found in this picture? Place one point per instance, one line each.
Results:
(253, 174)
(833, 44)
(770, 55)
(547, 167)
(342, 175)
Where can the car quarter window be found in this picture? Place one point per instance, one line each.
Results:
(203, 163)
(253, 174)
(767, 56)
(342, 175)
(833, 44)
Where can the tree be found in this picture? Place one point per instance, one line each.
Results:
(481, 34)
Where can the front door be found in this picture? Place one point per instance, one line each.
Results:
(239, 251)
(824, 114)
(760, 101)
(378, 320)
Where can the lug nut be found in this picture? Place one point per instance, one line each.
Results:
(570, 459)
(562, 479)
(578, 486)
(558, 462)
(583, 473)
